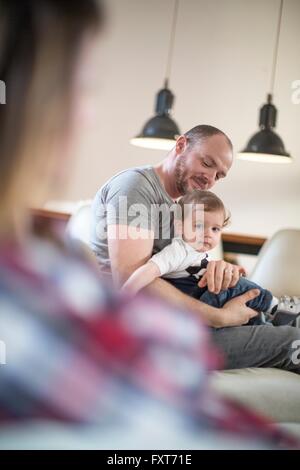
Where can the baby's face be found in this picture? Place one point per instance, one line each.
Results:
(203, 235)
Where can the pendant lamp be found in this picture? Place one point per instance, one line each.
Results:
(266, 145)
(161, 131)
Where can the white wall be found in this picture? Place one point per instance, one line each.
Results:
(220, 76)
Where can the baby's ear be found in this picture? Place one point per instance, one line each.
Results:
(178, 228)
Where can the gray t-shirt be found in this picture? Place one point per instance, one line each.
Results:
(132, 197)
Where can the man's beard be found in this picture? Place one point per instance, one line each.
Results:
(180, 176)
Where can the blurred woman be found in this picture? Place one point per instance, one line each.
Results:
(71, 351)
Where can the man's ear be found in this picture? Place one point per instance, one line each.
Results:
(181, 144)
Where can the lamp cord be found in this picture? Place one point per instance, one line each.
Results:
(171, 43)
(275, 56)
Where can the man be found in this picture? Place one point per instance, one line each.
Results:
(199, 159)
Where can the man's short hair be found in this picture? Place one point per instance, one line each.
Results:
(203, 131)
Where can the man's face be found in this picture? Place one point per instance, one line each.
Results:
(200, 166)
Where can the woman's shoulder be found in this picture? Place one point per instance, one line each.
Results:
(56, 271)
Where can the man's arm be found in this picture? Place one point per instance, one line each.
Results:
(234, 312)
(129, 248)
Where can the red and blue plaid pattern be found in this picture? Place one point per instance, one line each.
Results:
(75, 351)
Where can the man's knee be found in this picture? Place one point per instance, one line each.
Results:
(289, 333)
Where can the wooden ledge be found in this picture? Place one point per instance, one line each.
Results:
(232, 242)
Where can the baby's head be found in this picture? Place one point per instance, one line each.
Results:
(203, 216)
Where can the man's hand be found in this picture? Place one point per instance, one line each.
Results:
(236, 313)
(233, 313)
(220, 275)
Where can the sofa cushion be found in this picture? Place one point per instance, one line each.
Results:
(273, 392)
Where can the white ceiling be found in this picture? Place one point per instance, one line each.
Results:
(220, 76)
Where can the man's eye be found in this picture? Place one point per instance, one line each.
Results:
(207, 164)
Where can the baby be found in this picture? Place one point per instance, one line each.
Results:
(198, 227)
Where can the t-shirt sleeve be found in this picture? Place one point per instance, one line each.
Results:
(129, 201)
(169, 258)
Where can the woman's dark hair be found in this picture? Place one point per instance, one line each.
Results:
(40, 45)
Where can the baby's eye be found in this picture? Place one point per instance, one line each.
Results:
(216, 229)
(199, 226)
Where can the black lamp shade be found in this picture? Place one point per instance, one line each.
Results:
(266, 145)
(161, 127)
(266, 141)
(160, 131)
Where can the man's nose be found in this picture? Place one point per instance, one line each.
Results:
(211, 178)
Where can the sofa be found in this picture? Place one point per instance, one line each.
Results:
(272, 392)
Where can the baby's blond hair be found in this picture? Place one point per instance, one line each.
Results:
(210, 201)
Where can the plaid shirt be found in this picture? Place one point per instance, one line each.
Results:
(77, 352)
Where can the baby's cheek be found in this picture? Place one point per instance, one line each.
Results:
(216, 240)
